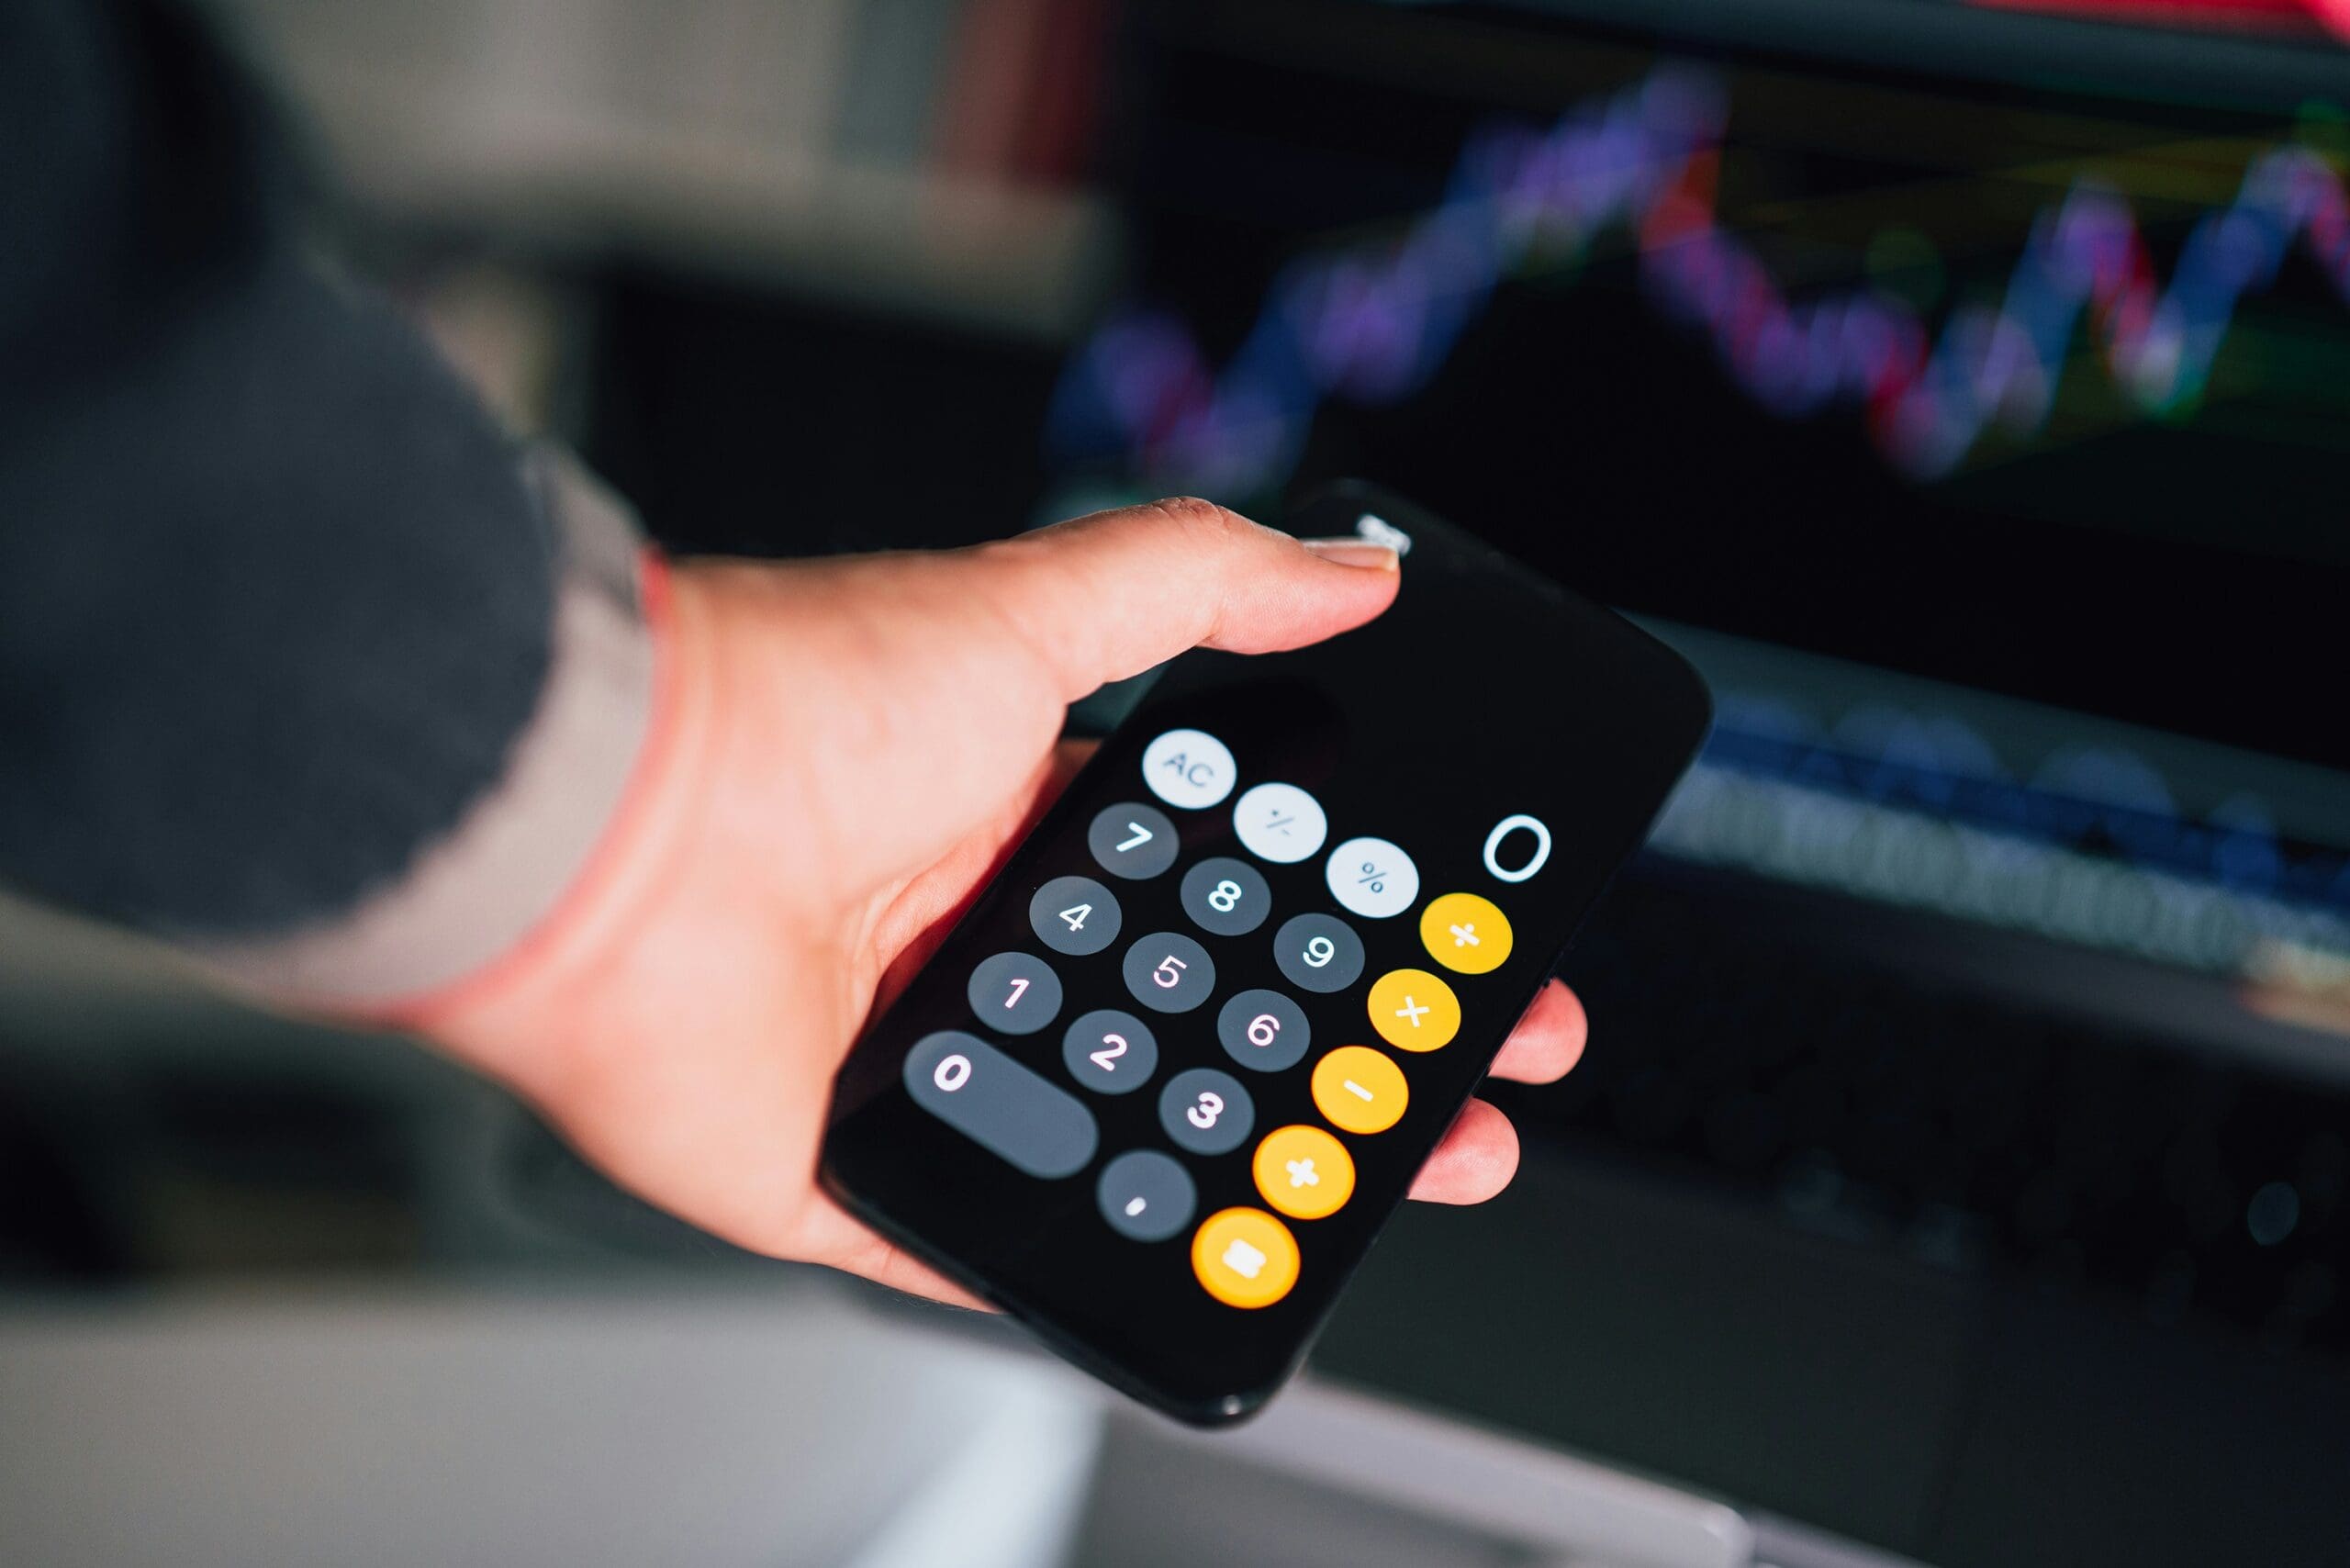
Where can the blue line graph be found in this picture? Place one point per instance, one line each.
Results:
(1369, 323)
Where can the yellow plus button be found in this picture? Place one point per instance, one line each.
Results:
(1303, 1172)
(1465, 933)
(1413, 1011)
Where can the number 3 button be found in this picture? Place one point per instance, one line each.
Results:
(1206, 1112)
(1167, 972)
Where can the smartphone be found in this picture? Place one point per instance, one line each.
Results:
(1166, 1078)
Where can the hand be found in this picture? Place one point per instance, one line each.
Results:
(850, 749)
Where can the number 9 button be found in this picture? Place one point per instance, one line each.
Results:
(1206, 1112)
(1318, 953)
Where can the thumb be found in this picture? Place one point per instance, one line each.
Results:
(1108, 595)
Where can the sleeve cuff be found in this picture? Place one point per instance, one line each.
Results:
(476, 896)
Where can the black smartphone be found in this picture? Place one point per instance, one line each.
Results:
(1166, 1078)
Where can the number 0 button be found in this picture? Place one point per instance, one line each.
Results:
(1076, 915)
(1206, 1112)
(1015, 993)
(1167, 972)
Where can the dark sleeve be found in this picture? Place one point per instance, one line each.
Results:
(276, 598)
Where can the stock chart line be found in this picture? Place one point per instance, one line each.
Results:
(1369, 323)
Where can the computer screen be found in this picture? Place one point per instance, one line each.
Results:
(1961, 387)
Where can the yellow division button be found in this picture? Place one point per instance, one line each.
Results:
(1465, 933)
(1359, 1090)
(1304, 1172)
(1413, 1011)
(1245, 1258)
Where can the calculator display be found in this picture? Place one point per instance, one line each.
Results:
(1164, 1082)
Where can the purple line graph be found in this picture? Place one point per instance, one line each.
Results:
(1369, 323)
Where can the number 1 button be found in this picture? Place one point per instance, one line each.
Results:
(1015, 993)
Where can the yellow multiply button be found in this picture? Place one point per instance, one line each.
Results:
(1304, 1172)
(1413, 1011)
(1359, 1090)
(1245, 1258)
(1466, 934)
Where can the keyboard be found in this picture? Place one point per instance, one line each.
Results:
(1967, 1131)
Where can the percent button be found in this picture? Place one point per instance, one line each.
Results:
(1372, 878)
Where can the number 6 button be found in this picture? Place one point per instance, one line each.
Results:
(1167, 972)
(1264, 1030)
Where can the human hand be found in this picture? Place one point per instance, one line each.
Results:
(847, 751)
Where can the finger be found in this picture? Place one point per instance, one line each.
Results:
(921, 913)
(827, 1234)
(1548, 1041)
(1474, 1161)
(1109, 596)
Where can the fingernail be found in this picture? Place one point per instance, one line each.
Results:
(1355, 553)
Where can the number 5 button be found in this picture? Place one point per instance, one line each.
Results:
(1167, 972)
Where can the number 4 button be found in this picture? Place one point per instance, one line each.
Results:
(1075, 915)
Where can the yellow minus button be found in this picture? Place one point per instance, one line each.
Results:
(1359, 1091)
(1466, 934)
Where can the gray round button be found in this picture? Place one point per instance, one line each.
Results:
(1076, 915)
(1264, 1030)
(1318, 952)
(1109, 1052)
(1146, 1194)
(1226, 896)
(1206, 1112)
(1169, 972)
(1015, 993)
(1132, 840)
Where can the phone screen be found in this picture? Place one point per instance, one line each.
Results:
(1166, 1078)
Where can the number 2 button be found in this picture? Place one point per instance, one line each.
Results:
(1167, 972)
(1015, 993)
(1076, 915)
